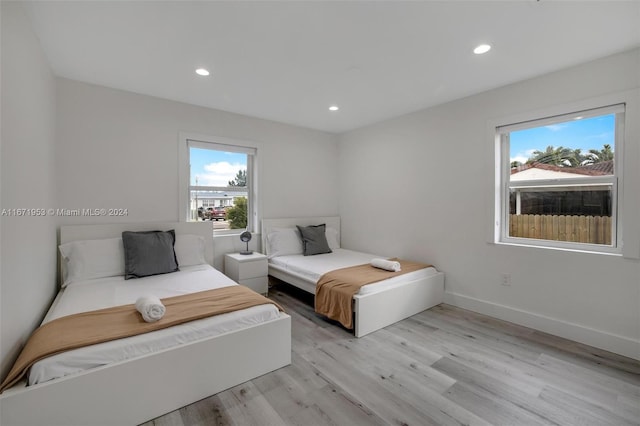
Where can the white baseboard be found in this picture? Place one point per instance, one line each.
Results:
(610, 342)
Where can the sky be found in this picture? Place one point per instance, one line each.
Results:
(215, 168)
(586, 134)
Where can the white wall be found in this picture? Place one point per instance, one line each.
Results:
(417, 186)
(28, 260)
(118, 149)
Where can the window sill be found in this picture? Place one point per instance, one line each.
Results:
(609, 252)
(227, 232)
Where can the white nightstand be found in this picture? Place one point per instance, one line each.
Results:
(250, 270)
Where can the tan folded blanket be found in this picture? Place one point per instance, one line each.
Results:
(335, 289)
(89, 328)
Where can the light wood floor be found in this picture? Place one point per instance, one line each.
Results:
(444, 366)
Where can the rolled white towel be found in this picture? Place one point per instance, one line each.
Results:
(150, 307)
(389, 265)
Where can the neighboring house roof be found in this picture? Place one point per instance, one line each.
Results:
(537, 170)
(603, 168)
(217, 195)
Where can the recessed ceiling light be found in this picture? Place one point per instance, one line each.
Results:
(333, 108)
(202, 71)
(483, 48)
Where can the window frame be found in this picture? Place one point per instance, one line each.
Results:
(500, 134)
(189, 140)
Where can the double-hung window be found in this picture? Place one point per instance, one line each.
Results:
(558, 180)
(217, 183)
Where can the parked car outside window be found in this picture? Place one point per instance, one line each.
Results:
(219, 213)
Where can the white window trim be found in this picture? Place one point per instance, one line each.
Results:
(627, 204)
(612, 180)
(185, 140)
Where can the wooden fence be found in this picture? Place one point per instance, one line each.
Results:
(581, 229)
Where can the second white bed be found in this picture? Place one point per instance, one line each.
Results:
(375, 305)
(311, 268)
(101, 293)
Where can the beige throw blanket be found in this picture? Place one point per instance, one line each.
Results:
(335, 289)
(89, 328)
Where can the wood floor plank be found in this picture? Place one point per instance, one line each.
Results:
(250, 407)
(291, 390)
(299, 377)
(586, 387)
(342, 409)
(508, 344)
(443, 366)
(173, 418)
(589, 376)
(495, 411)
(408, 347)
(469, 352)
(538, 341)
(526, 376)
(209, 411)
(511, 400)
(312, 415)
(613, 364)
(364, 388)
(628, 407)
(396, 362)
(574, 403)
(414, 397)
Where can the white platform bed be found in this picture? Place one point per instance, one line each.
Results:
(138, 389)
(376, 305)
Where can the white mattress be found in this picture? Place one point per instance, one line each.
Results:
(311, 268)
(106, 292)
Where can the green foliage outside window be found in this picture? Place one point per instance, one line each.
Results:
(237, 215)
(240, 179)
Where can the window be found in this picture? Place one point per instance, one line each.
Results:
(558, 180)
(217, 179)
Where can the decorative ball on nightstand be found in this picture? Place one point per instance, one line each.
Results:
(246, 237)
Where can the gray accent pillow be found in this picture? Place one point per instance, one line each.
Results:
(149, 253)
(314, 240)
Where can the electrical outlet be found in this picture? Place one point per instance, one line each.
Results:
(506, 279)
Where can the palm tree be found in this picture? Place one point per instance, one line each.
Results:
(576, 158)
(560, 156)
(600, 155)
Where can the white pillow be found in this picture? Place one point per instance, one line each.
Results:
(284, 241)
(189, 250)
(332, 238)
(90, 259)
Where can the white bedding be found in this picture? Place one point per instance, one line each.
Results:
(311, 268)
(106, 292)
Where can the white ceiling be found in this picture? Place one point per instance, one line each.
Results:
(289, 61)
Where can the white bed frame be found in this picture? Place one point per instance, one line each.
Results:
(135, 391)
(373, 311)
